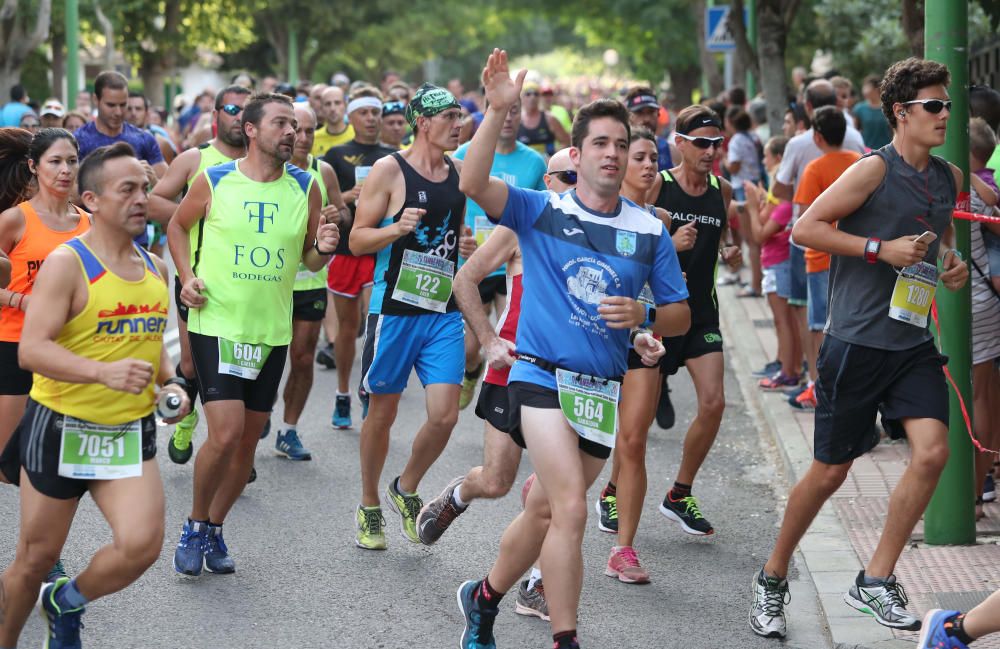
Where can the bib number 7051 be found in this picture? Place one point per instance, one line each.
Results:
(100, 446)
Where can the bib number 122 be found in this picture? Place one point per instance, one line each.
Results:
(428, 283)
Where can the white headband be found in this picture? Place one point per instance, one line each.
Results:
(364, 102)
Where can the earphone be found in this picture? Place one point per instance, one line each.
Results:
(901, 114)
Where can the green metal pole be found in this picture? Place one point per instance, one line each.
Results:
(950, 517)
(72, 52)
(752, 37)
(293, 57)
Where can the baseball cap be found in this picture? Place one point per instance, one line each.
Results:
(642, 101)
(53, 107)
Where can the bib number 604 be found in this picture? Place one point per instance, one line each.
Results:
(589, 409)
(247, 352)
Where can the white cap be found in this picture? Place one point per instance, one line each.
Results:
(53, 107)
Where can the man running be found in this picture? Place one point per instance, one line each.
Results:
(538, 129)
(93, 337)
(255, 219)
(588, 254)
(336, 131)
(519, 165)
(227, 145)
(351, 276)
(309, 296)
(394, 126)
(891, 210)
(411, 213)
(644, 110)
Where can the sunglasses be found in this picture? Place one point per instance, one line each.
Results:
(531, 93)
(932, 106)
(703, 142)
(567, 177)
(231, 109)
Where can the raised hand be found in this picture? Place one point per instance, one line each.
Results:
(501, 91)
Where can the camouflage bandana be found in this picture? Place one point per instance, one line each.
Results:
(428, 101)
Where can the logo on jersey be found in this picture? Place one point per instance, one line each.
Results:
(421, 197)
(625, 242)
(136, 320)
(569, 232)
(444, 240)
(262, 212)
(587, 281)
(354, 160)
(588, 285)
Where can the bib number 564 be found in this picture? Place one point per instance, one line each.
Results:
(588, 408)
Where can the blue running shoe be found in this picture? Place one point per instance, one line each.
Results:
(63, 627)
(189, 557)
(288, 444)
(934, 631)
(342, 412)
(55, 572)
(363, 397)
(217, 559)
(768, 370)
(478, 619)
(267, 429)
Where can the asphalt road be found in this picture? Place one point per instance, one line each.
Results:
(301, 583)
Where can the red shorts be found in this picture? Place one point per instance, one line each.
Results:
(347, 276)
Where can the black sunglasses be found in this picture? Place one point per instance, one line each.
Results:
(703, 142)
(567, 177)
(231, 109)
(531, 93)
(932, 106)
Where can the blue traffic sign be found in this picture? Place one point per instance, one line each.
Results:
(718, 37)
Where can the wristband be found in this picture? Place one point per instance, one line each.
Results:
(650, 317)
(316, 248)
(635, 334)
(176, 380)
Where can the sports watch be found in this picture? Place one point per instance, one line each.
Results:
(872, 249)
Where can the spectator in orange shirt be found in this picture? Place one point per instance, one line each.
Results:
(829, 127)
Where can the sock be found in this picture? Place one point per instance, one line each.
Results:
(565, 640)
(955, 627)
(487, 596)
(871, 581)
(536, 576)
(287, 426)
(679, 490)
(609, 490)
(456, 499)
(343, 394)
(399, 488)
(69, 597)
(474, 373)
(192, 521)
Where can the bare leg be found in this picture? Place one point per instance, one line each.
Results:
(305, 334)
(786, 344)
(349, 319)
(983, 388)
(375, 444)
(330, 319)
(442, 415)
(639, 395)
(707, 374)
(501, 457)
(225, 428)
(985, 618)
(234, 481)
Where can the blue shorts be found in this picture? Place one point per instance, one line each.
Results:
(778, 279)
(818, 297)
(798, 294)
(433, 344)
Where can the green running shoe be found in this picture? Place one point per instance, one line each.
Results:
(181, 447)
(469, 387)
(371, 528)
(408, 507)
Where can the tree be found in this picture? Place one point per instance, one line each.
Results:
(23, 27)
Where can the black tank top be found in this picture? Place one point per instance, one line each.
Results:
(708, 212)
(539, 138)
(436, 234)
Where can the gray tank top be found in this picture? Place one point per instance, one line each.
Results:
(907, 202)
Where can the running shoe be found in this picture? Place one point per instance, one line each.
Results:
(181, 447)
(531, 601)
(778, 382)
(436, 516)
(607, 513)
(363, 398)
(342, 412)
(885, 601)
(408, 507)
(806, 400)
(686, 512)
(56, 572)
(253, 475)
(624, 565)
(287, 443)
(989, 488)
(728, 279)
(796, 391)
(665, 415)
(934, 631)
(189, 557)
(324, 357)
(469, 387)
(371, 528)
(62, 627)
(767, 613)
(478, 632)
(768, 370)
(267, 429)
(217, 559)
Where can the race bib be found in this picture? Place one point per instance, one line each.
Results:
(424, 281)
(244, 360)
(590, 405)
(91, 451)
(483, 229)
(913, 294)
(360, 173)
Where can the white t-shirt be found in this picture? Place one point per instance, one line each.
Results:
(801, 150)
(743, 149)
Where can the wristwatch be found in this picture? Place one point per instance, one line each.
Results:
(316, 248)
(872, 249)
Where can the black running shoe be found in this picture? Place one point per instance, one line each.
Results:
(607, 511)
(686, 512)
(324, 357)
(665, 409)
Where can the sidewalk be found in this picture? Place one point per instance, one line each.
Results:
(846, 531)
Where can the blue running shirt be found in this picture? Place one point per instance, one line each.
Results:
(574, 257)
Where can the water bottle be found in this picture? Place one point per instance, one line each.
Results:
(168, 405)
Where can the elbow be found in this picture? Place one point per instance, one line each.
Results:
(800, 234)
(471, 187)
(356, 244)
(26, 357)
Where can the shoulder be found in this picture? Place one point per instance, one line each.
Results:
(301, 176)
(161, 266)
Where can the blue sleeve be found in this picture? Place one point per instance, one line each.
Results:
(460, 153)
(523, 208)
(540, 184)
(666, 280)
(152, 154)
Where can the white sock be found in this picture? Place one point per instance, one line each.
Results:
(287, 426)
(343, 394)
(457, 497)
(536, 575)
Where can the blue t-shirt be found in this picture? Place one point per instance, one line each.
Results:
(143, 142)
(12, 113)
(663, 160)
(573, 257)
(522, 167)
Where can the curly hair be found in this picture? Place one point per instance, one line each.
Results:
(904, 79)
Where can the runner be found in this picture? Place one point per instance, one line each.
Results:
(351, 276)
(29, 231)
(519, 165)
(539, 130)
(227, 145)
(411, 214)
(501, 455)
(394, 126)
(309, 297)
(697, 200)
(578, 305)
(336, 131)
(878, 353)
(256, 218)
(644, 110)
(89, 423)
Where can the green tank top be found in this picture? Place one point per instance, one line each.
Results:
(305, 279)
(210, 157)
(251, 245)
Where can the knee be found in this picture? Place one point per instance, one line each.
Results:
(140, 548)
(496, 484)
(830, 476)
(712, 405)
(225, 440)
(444, 419)
(570, 513)
(931, 459)
(301, 362)
(631, 446)
(36, 559)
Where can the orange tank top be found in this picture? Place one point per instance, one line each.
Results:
(26, 259)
